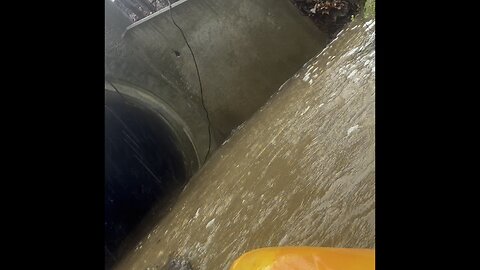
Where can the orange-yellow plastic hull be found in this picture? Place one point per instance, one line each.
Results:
(306, 258)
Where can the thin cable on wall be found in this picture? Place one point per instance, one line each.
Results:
(199, 79)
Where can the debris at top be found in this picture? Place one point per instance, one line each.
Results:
(329, 15)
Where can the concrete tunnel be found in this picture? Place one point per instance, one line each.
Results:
(156, 131)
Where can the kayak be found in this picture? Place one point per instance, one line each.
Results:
(306, 258)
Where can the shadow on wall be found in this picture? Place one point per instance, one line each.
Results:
(143, 163)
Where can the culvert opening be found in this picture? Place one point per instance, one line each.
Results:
(144, 165)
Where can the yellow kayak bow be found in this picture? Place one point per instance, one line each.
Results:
(306, 258)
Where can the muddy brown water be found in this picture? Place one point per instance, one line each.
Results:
(301, 171)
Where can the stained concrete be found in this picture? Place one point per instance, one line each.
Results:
(245, 50)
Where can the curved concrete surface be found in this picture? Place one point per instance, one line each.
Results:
(245, 50)
(147, 159)
(151, 164)
(301, 171)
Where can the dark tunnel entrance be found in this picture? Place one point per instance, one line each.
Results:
(143, 164)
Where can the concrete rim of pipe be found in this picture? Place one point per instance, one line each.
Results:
(166, 114)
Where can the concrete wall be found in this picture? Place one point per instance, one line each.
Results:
(245, 50)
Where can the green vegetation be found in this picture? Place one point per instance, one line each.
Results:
(369, 10)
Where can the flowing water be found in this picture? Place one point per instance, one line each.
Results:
(301, 171)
